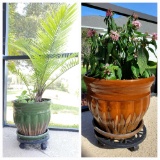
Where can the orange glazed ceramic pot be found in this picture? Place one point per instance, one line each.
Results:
(118, 106)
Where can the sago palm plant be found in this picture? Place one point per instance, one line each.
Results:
(45, 51)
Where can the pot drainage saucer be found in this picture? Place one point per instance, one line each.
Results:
(39, 139)
(130, 143)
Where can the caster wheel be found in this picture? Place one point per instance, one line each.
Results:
(135, 148)
(43, 146)
(22, 145)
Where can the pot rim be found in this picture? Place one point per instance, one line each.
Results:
(122, 80)
(45, 100)
(104, 82)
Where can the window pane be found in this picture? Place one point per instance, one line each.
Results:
(24, 20)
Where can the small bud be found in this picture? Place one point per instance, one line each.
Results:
(109, 13)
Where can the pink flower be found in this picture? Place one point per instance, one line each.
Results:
(90, 32)
(136, 24)
(154, 36)
(114, 35)
(109, 13)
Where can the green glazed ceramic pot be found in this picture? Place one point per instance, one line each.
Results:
(32, 119)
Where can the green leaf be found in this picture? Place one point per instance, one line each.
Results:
(130, 57)
(154, 43)
(138, 33)
(110, 47)
(131, 49)
(120, 45)
(115, 67)
(24, 92)
(113, 24)
(111, 77)
(119, 73)
(149, 72)
(142, 60)
(152, 63)
(22, 101)
(135, 71)
(106, 20)
(97, 73)
(101, 65)
(146, 53)
(151, 49)
(145, 74)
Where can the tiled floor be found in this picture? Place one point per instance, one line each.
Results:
(60, 144)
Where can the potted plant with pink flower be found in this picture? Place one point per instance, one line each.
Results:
(118, 77)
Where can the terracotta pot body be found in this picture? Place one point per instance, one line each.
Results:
(118, 106)
(32, 119)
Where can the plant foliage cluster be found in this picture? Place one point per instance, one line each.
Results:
(122, 52)
(45, 52)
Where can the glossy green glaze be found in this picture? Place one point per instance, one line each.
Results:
(31, 138)
(32, 118)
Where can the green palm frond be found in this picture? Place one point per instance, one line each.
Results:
(45, 51)
(12, 67)
(64, 66)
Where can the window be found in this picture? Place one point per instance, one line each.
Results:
(21, 20)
